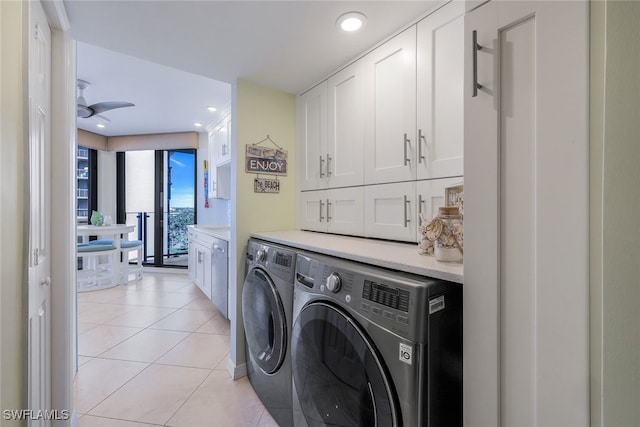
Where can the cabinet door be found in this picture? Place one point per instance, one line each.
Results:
(311, 136)
(389, 211)
(345, 211)
(345, 139)
(192, 261)
(212, 161)
(440, 89)
(526, 297)
(430, 196)
(223, 140)
(313, 211)
(390, 110)
(206, 271)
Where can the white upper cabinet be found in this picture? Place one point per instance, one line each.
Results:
(219, 146)
(390, 110)
(345, 141)
(223, 140)
(440, 89)
(311, 137)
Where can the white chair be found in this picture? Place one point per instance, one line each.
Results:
(95, 267)
(126, 268)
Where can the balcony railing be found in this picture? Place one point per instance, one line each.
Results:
(83, 192)
(83, 173)
(83, 153)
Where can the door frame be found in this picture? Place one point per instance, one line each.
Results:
(63, 235)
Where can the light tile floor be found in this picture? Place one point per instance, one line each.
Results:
(155, 353)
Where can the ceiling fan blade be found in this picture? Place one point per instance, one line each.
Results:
(101, 107)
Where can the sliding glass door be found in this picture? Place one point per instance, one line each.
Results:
(159, 198)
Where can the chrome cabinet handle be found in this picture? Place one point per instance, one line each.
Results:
(420, 139)
(321, 164)
(475, 47)
(406, 215)
(420, 203)
(321, 205)
(328, 168)
(328, 206)
(407, 141)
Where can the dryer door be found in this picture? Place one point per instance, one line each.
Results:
(339, 378)
(265, 325)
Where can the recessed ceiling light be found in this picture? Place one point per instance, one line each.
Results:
(212, 109)
(100, 125)
(351, 21)
(197, 124)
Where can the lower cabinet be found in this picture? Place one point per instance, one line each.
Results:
(209, 268)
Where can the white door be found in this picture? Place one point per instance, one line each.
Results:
(39, 266)
(526, 215)
(311, 137)
(345, 139)
(389, 211)
(440, 89)
(390, 110)
(345, 211)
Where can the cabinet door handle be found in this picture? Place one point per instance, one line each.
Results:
(475, 48)
(321, 164)
(407, 203)
(200, 256)
(328, 167)
(406, 143)
(328, 207)
(420, 139)
(321, 205)
(420, 203)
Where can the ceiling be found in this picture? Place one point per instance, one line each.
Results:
(174, 58)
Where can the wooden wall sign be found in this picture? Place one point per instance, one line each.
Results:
(266, 160)
(262, 185)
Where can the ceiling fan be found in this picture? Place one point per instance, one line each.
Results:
(85, 111)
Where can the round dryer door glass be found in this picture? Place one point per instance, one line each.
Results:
(338, 377)
(264, 321)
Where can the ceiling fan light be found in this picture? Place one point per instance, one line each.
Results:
(351, 21)
(197, 124)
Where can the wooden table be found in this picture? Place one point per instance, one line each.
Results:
(117, 232)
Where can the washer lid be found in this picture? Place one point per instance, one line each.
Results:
(339, 378)
(265, 324)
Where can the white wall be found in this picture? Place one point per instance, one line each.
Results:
(615, 203)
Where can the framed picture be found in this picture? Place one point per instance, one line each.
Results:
(454, 196)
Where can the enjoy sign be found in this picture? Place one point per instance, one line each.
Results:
(266, 160)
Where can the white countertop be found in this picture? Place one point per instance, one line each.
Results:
(220, 231)
(394, 255)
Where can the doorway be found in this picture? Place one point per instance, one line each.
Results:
(157, 193)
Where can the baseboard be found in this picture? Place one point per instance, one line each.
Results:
(236, 372)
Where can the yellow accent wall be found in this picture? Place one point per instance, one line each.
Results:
(615, 203)
(257, 112)
(12, 140)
